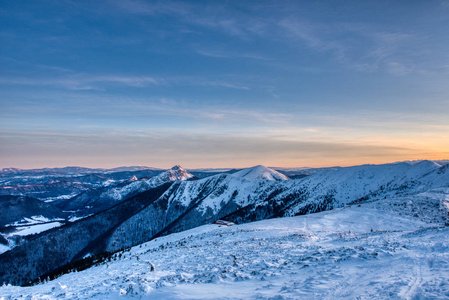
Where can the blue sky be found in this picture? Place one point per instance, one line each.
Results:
(223, 83)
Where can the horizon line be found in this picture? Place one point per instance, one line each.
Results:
(230, 168)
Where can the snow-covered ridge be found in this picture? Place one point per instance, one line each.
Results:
(94, 200)
(176, 173)
(260, 173)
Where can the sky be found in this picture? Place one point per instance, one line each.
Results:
(233, 83)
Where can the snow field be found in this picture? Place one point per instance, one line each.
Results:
(355, 252)
(34, 229)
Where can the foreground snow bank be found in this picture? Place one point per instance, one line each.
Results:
(367, 252)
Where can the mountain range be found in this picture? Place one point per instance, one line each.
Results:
(115, 217)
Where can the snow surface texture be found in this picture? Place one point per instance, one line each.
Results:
(376, 250)
(260, 173)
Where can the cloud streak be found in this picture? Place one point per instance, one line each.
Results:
(379, 49)
(101, 82)
(231, 55)
(83, 81)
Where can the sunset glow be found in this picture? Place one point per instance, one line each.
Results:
(223, 84)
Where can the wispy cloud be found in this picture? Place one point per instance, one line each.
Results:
(123, 110)
(216, 17)
(136, 81)
(83, 82)
(361, 47)
(230, 54)
(151, 8)
(398, 68)
(311, 34)
(201, 112)
(100, 82)
(223, 84)
(41, 67)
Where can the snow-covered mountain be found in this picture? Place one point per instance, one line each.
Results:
(95, 200)
(175, 173)
(260, 173)
(19, 213)
(179, 205)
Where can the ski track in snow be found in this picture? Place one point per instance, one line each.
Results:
(414, 283)
(366, 252)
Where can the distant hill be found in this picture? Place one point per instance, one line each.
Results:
(261, 173)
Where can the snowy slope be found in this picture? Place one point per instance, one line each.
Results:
(346, 185)
(367, 252)
(260, 173)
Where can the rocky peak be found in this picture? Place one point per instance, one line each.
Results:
(177, 173)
